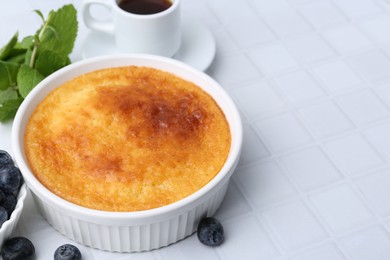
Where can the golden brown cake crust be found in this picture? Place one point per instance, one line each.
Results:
(126, 139)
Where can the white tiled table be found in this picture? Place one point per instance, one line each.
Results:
(312, 80)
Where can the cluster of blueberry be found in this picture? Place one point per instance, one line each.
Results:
(10, 183)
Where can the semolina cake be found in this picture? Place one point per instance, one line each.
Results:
(126, 139)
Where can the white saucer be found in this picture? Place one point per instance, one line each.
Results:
(197, 48)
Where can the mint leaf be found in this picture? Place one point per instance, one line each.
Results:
(26, 43)
(8, 73)
(17, 58)
(15, 55)
(27, 57)
(49, 61)
(8, 94)
(60, 32)
(9, 108)
(5, 50)
(39, 13)
(27, 79)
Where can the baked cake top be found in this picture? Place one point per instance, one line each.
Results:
(126, 139)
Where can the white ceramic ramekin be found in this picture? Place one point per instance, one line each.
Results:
(129, 231)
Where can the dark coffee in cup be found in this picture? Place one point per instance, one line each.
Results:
(144, 6)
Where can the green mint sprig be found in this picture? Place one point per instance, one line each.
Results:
(23, 64)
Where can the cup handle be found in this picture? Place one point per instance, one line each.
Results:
(93, 23)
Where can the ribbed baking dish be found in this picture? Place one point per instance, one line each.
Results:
(129, 231)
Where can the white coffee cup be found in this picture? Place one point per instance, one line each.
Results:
(158, 33)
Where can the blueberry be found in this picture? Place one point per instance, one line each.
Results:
(5, 159)
(2, 195)
(10, 178)
(3, 215)
(210, 232)
(9, 203)
(18, 248)
(67, 252)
